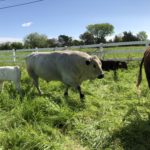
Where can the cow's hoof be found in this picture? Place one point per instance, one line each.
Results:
(66, 94)
(82, 96)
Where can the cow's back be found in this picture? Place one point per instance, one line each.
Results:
(56, 65)
(43, 65)
(10, 73)
(71, 61)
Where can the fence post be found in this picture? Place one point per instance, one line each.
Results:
(14, 55)
(101, 51)
(147, 43)
(65, 47)
(36, 49)
(54, 49)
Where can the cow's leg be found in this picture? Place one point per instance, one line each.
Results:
(17, 84)
(115, 75)
(80, 92)
(36, 83)
(66, 91)
(147, 71)
(35, 80)
(1, 86)
(69, 81)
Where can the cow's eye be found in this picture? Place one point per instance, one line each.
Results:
(94, 66)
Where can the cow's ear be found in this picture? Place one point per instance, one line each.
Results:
(87, 62)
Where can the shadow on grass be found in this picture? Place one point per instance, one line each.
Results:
(134, 136)
(30, 92)
(75, 104)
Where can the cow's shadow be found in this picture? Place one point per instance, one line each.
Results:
(75, 104)
(134, 136)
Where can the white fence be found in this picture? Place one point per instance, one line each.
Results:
(102, 50)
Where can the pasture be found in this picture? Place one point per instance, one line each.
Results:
(114, 115)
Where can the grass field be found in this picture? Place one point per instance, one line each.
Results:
(20, 55)
(113, 116)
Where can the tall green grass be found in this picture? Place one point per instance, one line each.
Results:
(114, 115)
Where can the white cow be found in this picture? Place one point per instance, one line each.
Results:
(69, 67)
(10, 73)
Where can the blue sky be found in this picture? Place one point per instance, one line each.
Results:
(70, 17)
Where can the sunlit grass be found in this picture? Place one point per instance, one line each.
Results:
(114, 115)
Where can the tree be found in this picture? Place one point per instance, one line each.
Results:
(52, 42)
(142, 36)
(128, 36)
(5, 46)
(34, 40)
(117, 38)
(100, 31)
(87, 38)
(77, 42)
(64, 40)
(17, 45)
(10, 46)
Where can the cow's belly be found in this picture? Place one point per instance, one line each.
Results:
(49, 75)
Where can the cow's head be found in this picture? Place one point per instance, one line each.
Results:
(94, 66)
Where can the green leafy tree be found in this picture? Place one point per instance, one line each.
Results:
(87, 38)
(17, 45)
(5, 46)
(11, 45)
(100, 31)
(77, 42)
(64, 40)
(34, 40)
(128, 36)
(117, 38)
(142, 36)
(52, 42)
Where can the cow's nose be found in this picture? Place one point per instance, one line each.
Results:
(101, 76)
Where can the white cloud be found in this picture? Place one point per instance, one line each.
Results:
(27, 24)
(10, 39)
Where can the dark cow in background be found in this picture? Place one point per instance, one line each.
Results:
(146, 61)
(114, 65)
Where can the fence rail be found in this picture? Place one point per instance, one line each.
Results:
(19, 54)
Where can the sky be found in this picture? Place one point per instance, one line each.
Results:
(71, 17)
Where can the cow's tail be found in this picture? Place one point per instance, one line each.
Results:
(140, 74)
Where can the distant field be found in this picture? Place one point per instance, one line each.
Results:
(8, 56)
(114, 115)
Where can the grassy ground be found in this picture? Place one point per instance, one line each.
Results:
(114, 115)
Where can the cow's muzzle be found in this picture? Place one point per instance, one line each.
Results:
(100, 76)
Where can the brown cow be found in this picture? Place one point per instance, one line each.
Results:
(146, 61)
(114, 65)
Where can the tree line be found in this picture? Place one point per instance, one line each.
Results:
(94, 34)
